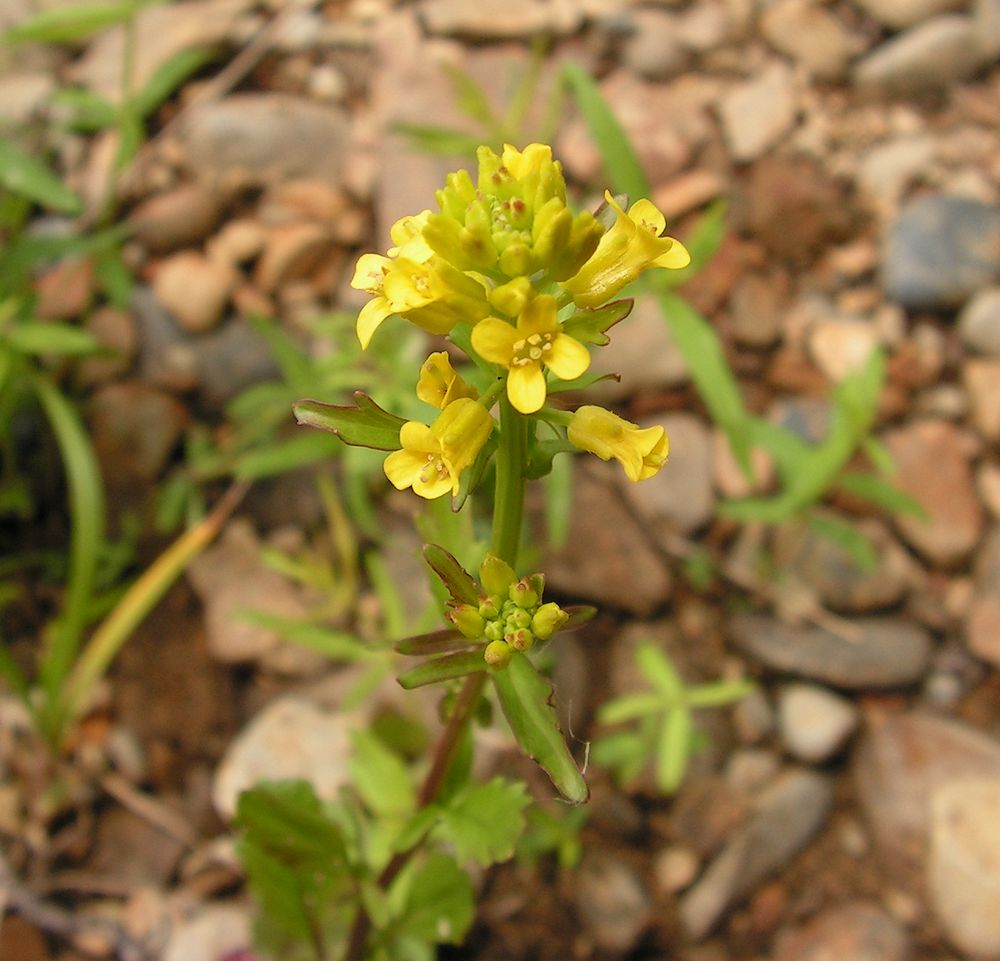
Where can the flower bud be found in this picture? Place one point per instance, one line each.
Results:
(523, 594)
(515, 261)
(547, 620)
(497, 654)
(641, 451)
(468, 620)
(493, 631)
(510, 298)
(496, 576)
(488, 609)
(517, 619)
(520, 640)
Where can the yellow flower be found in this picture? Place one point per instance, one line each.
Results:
(536, 342)
(439, 383)
(631, 246)
(432, 458)
(641, 451)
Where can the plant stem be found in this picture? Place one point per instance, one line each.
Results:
(508, 514)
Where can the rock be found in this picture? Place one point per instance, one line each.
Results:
(840, 347)
(954, 515)
(982, 383)
(982, 621)
(835, 575)
(730, 480)
(687, 192)
(979, 322)
(941, 250)
(653, 50)
(217, 931)
(680, 496)
(856, 930)
(611, 903)
(703, 26)
(899, 764)
(796, 208)
(23, 95)
(784, 819)
(115, 330)
(810, 35)
(135, 428)
(181, 217)
(290, 739)
(606, 557)
(753, 717)
(756, 306)
(814, 723)
(249, 139)
(292, 251)
(757, 113)
(133, 851)
(963, 874)
(749, 771)
(987, 16)
(238, 242)
(933, 55)
(64, 291)
(161, 34)
(498, 19)
(988, 485)
(232, 581)
(887, 169)
(167, 356)
(675, 868)
(231, 359)
(643, 350)
(885, 652)
(194, 289)
(900, 14)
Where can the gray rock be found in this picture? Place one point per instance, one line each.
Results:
(215, 931)
(606, 557)
(814, 723)
(231, 359)
(249, 139)
(784, 819)
(933, 55)
(979, 322)
(857, 931)
(178, 218)
(954, 521)
(835, 575)
(611, 903)
(900, 762)
(810, 35)
(680, 497)
(167, 356)
(290, 739)
(886, 652)
(653, 49)
(806, 417)
(500, 18)
(900, 14)
(941, 250)
(759, 112)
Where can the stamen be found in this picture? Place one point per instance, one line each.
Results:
(535, 339)
(535, 353)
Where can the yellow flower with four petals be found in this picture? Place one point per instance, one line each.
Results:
(642, 451)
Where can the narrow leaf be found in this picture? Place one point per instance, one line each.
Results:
(673, 749)
(658, 670)
(629, 707)
(526, 699)
(56, 339)
(445, 668)
(436, 642)
(590, 326)
(364, 425)
(67, 23)
(881, 493)
(380, 777)
(702, 243)
(455, 578)
(169, 76)
(29, 177)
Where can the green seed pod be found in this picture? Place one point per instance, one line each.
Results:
(497, 654)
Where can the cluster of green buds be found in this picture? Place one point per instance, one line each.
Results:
(492, 618)
(510, 615)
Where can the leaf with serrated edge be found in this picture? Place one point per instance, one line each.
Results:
(526, 699)
(455, 578)
(364, 425)
(445, 668)
(484, 822)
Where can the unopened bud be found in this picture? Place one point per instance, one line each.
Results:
(488, 609)
(518, 618)
(493, 631)
(468, 620)
(520, 640)
(523, 594)
(497, 654)
(515, 261)
(496, 575)
(547, 620)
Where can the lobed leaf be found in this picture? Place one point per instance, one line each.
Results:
(590, 326)
(364, 425)
(483, 822)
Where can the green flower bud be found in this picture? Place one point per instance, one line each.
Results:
(516, 260)
(523, 594)
(496, 576)
(520, 640)
(547, 620)
(498, 654)
(518, 619)
(510, 298)
(493, 631)
(488, 609)
(468, 621)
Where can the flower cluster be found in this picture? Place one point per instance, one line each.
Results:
(530, 284)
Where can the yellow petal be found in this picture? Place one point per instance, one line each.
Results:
(538, 316)
(674, 257)
(403, 468)
(370, 317)
(645, 214)
(419, 438)
(526, 388)
(369, 273)
(493, 339)
(436, 485)
(568, 357)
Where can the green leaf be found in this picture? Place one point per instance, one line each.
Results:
(470, 98)
(445, 668)
(719, 693)
(484, 822)
(848, 538)
(364, 425)
(67, 23)
(169, 76)
(436, 642)
(29, 177)
(380, 777)
(456, 579)
(438, 140)
(590, 326)
(629, 707)
(673, 749)
(336, 645)
(526, 699)
(878, 491)
(56, 339)
(433, 901)
(710, 371)
(582, 382)
(620, 162)
(282, 456)
(658, 670)
(90, 111)
(278, 890)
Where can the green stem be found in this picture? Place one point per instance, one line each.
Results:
(508, 507)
